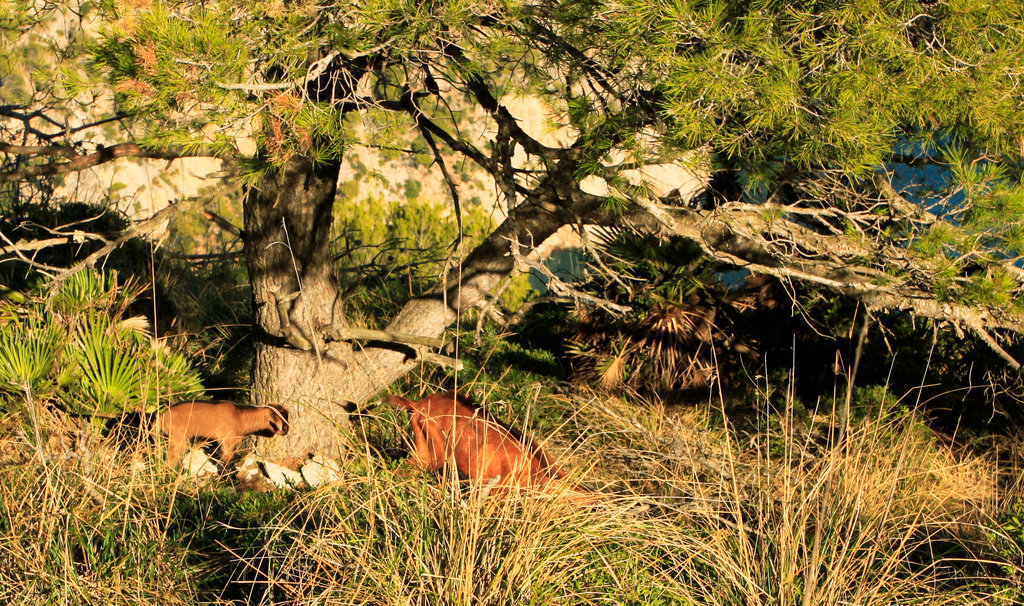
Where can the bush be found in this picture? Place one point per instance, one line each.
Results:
(71, 343)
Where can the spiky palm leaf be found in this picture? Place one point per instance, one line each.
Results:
(666, 340)
(82, 290)
(110, 374)
(92, 290)
(119, 366)
(613, 370)
(72, 342)
(28, 353)
(676, 339)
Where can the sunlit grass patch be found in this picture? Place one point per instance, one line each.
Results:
(692, 511)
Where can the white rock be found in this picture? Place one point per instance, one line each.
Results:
(280, 476)
(197, 464)
(319, 471)
(248, 468)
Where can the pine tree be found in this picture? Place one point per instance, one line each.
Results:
(871, 148)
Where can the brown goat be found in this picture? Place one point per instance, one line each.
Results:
(225, 423)
(448, 425)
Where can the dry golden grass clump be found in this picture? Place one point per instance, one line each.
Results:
(84, 523)
(695, 512)
(888, 515)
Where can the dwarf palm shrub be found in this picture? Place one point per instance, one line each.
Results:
(680, 304)
(73, 344)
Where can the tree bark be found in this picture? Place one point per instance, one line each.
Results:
(296, 303)
(295, 292)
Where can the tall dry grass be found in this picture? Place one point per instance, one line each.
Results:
(86, 521)
(695, 513)
(888, 515)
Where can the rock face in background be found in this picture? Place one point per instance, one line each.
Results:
(381, 172)
(140, 188)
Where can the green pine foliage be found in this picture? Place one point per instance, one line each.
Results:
(800, 94)
(804, 101)
(832, 83)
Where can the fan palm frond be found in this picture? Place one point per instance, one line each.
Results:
(110, 375)
(170, 376)
(81, 291)
(28, 353)
(74, 343)
(95, 290)
(666, 340)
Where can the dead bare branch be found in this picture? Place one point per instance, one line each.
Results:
(443, 361)
(558, 286)
(76, 237)
(150, 227)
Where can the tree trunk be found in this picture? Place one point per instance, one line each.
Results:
(288, 253)
(294, 288)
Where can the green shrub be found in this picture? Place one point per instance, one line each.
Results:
(74, 346)
(392, 251)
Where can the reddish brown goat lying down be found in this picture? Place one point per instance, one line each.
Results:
(447, 425)
(222, 422)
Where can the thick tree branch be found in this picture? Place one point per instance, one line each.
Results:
(899, 203)
(81, 161)
(385, 336)
(742, 237)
